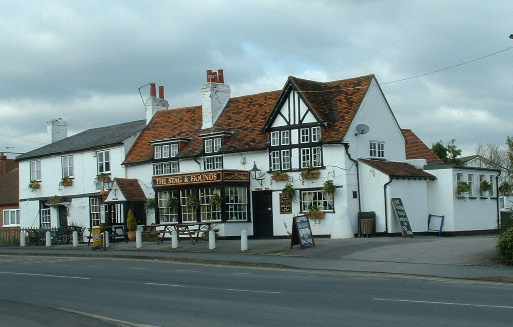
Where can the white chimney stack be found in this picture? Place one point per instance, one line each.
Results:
(154, 104)
(57, 129)
(214, 97)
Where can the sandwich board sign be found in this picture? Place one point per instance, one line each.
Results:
(402, 217)
(301, 232)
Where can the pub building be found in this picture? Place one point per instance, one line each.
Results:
(254, 162)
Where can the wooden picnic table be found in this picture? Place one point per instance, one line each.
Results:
(192, 230)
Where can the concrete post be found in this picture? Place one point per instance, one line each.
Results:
(211, 240)
(106, 239)
(23, 242)
(75, 238)
(243, 240)
(174, 239)
(48, 239)
(138, 239)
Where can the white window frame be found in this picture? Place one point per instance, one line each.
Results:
(35, 170)
(324, 201)
(285, 160)
(492, 183)
(188, 214)
(285, 137)
(304, 135)
(275, 138)
(102, 160)
(316, 156)
(173, 150)
(377, 149)
(208, 146)
(236, 203)
(46, 218)
(213, 162)
(67, 166)
(316, 134)
(166, 168)
(381, 149)
(157, 151)
(95, 211)
(217, 145)
(306, 158)
(166, 215)
(11, 217)
(470, 182)
(275, 161)
(209, 212)
(165, 151)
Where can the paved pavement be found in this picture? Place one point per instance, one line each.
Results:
(471, 257)
(157, 293)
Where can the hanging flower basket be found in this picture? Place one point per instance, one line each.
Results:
(35, 185)
(311, 174)
(280, 177)
(316, 214)
(289, 191)
(66, 181)
(329, 187)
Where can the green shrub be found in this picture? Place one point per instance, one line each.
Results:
(505, 246)
(131, 221)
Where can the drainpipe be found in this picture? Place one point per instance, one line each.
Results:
(497, 199)
(385, 187)
(346, 147)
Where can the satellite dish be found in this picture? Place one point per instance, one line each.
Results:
(362, 129)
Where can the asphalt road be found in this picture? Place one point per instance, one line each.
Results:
(44, 291)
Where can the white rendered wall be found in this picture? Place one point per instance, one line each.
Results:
(414, 195)
(375, 113)
(372, 182)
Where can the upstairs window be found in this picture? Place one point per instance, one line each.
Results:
(213, 162)
(285, 137)
(35, 170)
(213, 145)
(157, 152)
(275, 161)
(217, 144)
(275, 138)
(103, 161)
(377, 149)
(67, 166)
(304, 135)
(173, 150)
(165, 151)
(316, 134)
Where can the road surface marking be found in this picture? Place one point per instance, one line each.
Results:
(446, 303)
(98, 317)
(163, 284)
(214, 288)
(42, 275)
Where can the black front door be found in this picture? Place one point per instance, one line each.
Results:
(63, 216)
(262, 214)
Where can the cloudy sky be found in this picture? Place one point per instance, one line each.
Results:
(84, 61)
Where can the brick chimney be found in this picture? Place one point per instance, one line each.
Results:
(154, 104)
(57, 129)
(215, 95)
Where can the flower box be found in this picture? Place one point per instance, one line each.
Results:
(316, 215)
(35, 185)
(280, 177)
(67, 182)
(311, 174)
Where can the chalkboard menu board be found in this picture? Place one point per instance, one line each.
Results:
(285, 203)
(402, 217)
(301, 232)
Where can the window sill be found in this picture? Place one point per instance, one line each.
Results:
(9, 226)
(472, 197)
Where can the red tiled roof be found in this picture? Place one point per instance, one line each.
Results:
(398, 169)
(416, 149)
(9, 188)
(245, 118)
(131, 189)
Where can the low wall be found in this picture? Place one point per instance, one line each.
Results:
(9, 235)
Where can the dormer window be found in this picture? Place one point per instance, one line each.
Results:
(165, 151)
(166, 161)
(213, 145)
(157, 152)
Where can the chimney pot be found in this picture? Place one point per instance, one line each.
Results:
(161, 92)
(220, 76)
(153, 90)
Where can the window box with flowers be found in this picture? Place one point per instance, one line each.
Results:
(35, 185)
(311, 174)
(67, 181)
(280, 177)
(315, 213)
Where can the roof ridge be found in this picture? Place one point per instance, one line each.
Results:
(332, 82)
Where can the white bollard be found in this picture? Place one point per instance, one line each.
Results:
(211, 240)
(23, 241)
(138, 239)
(174, 239)
(48, 239)
(106, 239)
(243, 240)
(75, 238)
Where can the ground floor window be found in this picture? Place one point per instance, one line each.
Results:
(188, 205)
(45, 216)
(168, 206)
(94, 211)
(237, 203)
(115, 212)
(210, 204)
(316, 199)
(11, 217)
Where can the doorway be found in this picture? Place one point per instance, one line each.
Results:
(263, 214)
(63, 216)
